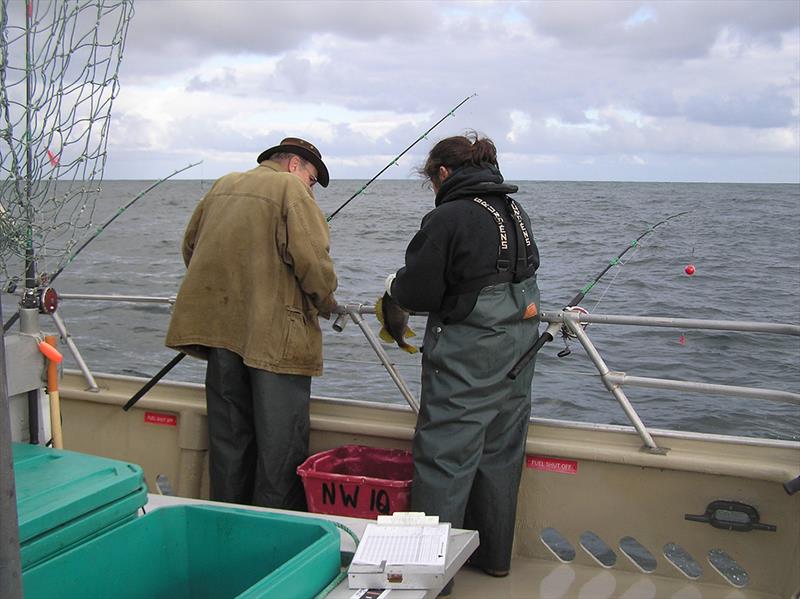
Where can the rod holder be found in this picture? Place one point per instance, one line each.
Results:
(340, 322)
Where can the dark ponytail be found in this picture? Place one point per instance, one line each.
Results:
(457, 151)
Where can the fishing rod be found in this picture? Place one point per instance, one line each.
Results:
(548, 336)
(49, 279)
(151, 383)
(167, 367)
(396, 158)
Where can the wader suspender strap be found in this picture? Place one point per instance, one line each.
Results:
(505, 272)
(503, 262)
(523, 262)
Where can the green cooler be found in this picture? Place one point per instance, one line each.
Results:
(196, 552)
(65, 498)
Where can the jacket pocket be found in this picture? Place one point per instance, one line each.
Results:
(297, 345)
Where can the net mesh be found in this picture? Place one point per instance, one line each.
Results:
(60, 62)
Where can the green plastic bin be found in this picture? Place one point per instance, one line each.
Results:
(195, 552)
(65, 498)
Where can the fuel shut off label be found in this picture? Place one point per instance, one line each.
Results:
(548, 464)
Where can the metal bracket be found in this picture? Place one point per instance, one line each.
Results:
(731, 515)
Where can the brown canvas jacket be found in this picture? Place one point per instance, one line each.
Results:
(258, 273)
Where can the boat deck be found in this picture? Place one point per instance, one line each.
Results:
(544, 579)
(536, 578)
(613, 502)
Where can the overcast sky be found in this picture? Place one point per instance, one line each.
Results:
(629, 91)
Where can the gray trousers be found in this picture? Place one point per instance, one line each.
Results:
(258, 426)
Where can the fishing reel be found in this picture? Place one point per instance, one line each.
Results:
(44, 298)
(567, 334)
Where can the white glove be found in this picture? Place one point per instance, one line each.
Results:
(389, 281)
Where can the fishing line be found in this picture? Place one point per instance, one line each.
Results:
(394, 160)
(615, 261)
(690, 268)
(547, 336)
(610, 283)
(636, 245)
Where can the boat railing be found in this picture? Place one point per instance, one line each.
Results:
(355, 313)
(67, 338)
(575, 322)
(567, 322)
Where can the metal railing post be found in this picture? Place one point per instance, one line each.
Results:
(10, 561)
(354, 310)
(572, 321)
(62, 330)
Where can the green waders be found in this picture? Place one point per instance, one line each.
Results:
(469, 442)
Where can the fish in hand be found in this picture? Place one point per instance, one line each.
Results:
(394, 323)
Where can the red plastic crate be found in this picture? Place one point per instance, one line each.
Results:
(358, 481)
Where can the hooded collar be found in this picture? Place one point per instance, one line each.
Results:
(472, 180)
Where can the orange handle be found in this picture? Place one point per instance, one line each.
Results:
(49, 351)
(48, 348)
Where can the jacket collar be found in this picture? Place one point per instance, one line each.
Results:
(472, 180)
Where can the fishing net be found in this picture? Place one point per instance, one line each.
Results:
(58, 78)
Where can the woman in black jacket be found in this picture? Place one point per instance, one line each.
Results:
(472, 267)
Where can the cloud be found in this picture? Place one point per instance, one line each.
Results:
(764, 109)
(183, 33)
(579, 84)
(678, 30)
(227, 80)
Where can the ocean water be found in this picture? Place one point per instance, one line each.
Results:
(741, 238)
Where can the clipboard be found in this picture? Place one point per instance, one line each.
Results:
(407, 550)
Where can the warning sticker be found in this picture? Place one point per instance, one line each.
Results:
(547, 464)
(162, 419)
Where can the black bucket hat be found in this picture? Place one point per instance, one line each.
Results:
(300, 147)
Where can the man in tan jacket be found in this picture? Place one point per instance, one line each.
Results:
(259, 274)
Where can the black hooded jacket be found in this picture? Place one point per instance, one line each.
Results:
(456, 252)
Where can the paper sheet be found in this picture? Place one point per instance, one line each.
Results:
(403, 545)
